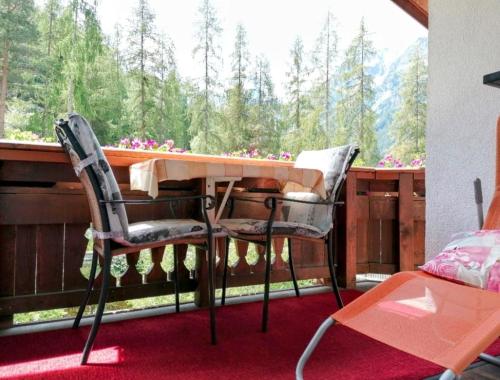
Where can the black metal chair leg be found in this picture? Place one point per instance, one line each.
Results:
(90, 285)
(211, 290)
(265, 310)
(176, 279)
(224, 275)
(331, 267)
(102, 303)
(292, 269)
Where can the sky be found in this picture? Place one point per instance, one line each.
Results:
(272, 26)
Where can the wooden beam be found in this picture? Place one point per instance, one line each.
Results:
(418, 9)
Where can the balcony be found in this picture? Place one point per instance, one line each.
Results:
(380, 230)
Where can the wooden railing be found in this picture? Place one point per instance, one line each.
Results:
(44, 215)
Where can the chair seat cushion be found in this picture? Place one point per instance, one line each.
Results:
(258, 227)
(167, 229)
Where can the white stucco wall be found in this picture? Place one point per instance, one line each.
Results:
(464, 44)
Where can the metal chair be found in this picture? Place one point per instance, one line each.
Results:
(114, 235)
(305, 216)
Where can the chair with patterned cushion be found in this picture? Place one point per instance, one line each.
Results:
(305, 216)
(113, 234)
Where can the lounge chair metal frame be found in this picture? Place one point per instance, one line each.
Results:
(329, 322)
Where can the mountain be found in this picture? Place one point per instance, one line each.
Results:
(388, 96)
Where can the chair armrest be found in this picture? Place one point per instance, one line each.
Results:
(243, 199)
(271, 202)
(268, 202)
(208, 200)
(321, 202)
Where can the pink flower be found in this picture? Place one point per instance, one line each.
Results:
(136, 144)
(151, 144)
(125, 142)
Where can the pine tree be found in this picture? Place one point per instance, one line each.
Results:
(323, 63)
(297, 101)
(264, 109)
(355, 108)
(17, 30)
(176, 115)
(48, 83)
(408, 126)
(170, 113)
(141, 39)
(237, 134)
(117, 87)
(296, 80)
(163, 63)
(204, 115)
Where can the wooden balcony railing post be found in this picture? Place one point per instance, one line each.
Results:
(131, 275)
(406, 223)
(201, 292)
(351, 231)
(156, 272)
(7, 270)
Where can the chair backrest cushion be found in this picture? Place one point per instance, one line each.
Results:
(319, 216)
(334, 163)
(117, 215)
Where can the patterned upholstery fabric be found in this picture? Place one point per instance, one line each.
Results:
(167, 229)
(332, 162)
(85, 136)
(258, 227)
(300, 218)
(319, 216)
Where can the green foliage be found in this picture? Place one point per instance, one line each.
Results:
(323, 71)
(59, 60)
(264, 109)
(355, 109)
(298, 101)
(408, 126)
(205, 115)
(17, 33)
(140, 53)
(236, 132)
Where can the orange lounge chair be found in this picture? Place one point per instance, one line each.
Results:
(437, 320)
(434, 319)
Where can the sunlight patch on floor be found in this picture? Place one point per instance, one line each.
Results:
(106, 356)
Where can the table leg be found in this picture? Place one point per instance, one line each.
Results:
(210, 189)
(201, 294)
(224, 201)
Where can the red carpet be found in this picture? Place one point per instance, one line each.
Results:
(177, 347)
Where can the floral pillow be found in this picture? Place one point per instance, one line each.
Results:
(472, 258)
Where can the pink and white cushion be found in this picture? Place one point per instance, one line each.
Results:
(472, 258)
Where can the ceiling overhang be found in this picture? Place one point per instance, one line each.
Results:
(418, 9)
